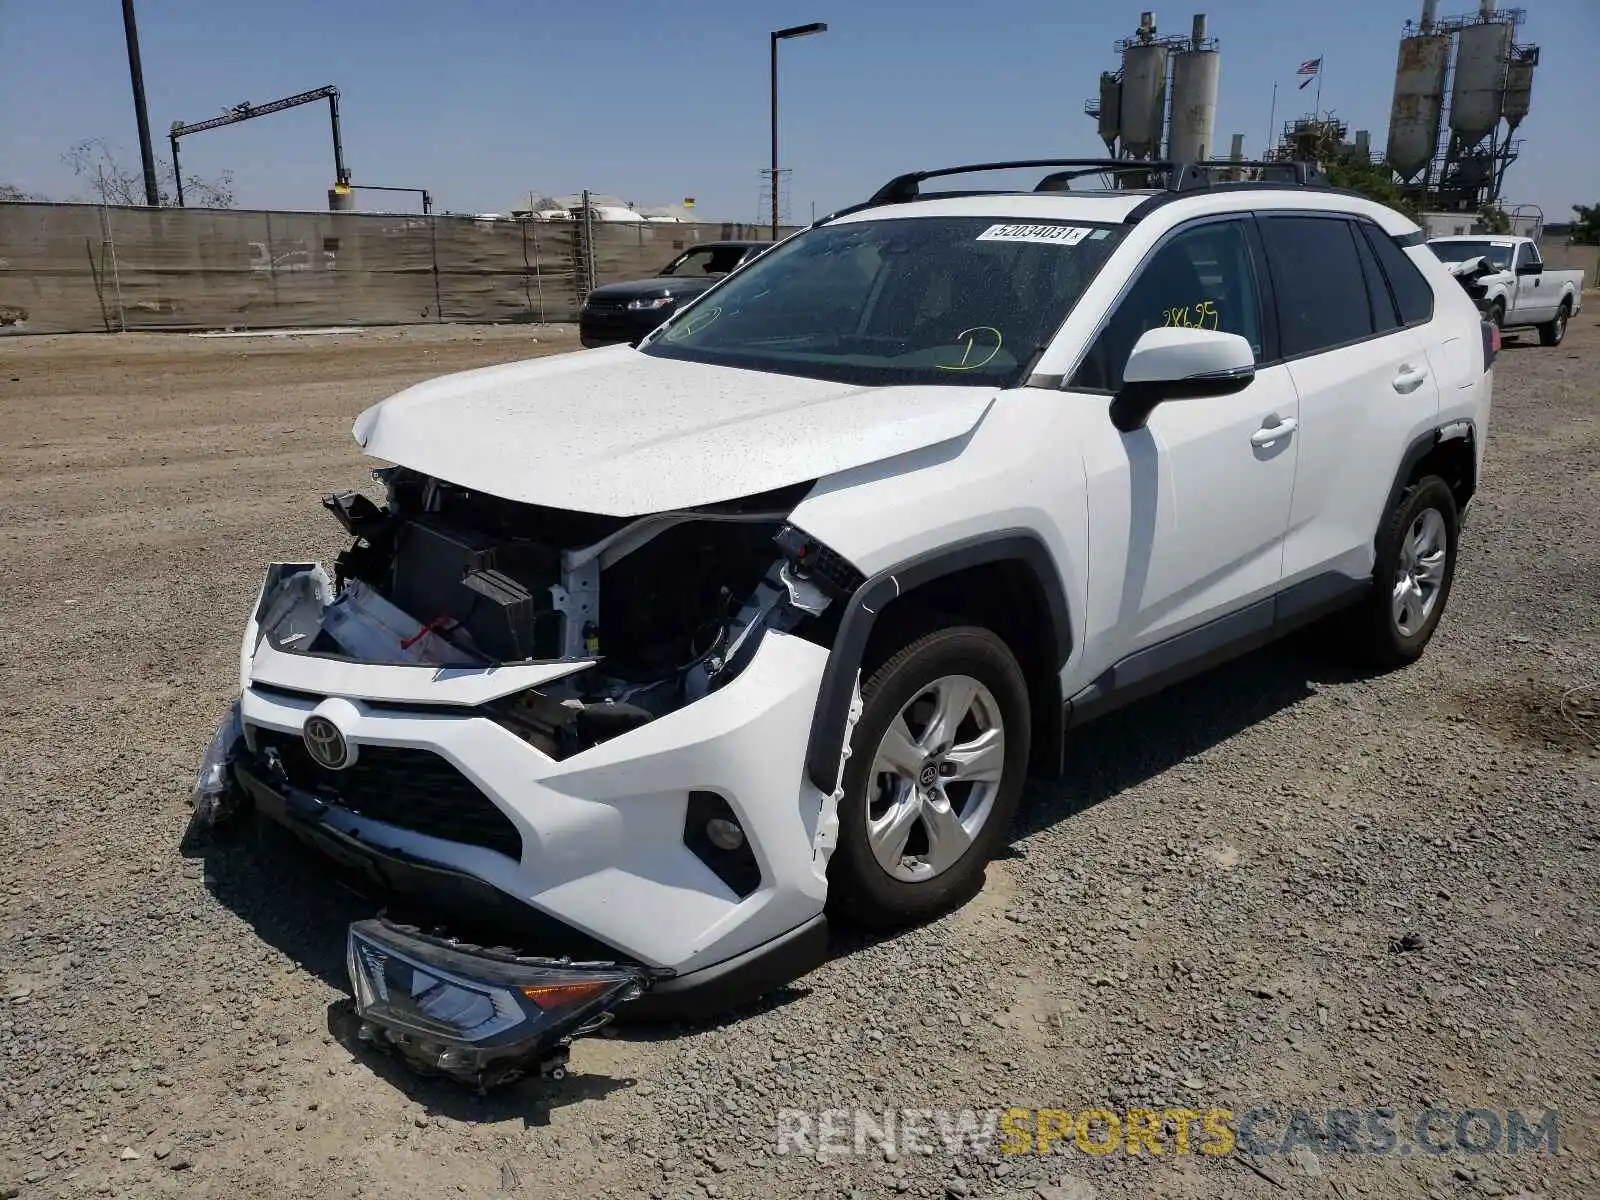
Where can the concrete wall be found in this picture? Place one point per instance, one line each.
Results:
(75, 267)
(71, 268)
(1574, 258)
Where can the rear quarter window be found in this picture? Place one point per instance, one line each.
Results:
(1412, 292)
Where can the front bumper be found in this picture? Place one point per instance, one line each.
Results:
(415, 890)
(604, 852)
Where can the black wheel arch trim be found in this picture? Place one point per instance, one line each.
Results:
(826, 742)
(1419, 449)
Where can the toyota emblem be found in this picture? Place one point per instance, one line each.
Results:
(326, 744)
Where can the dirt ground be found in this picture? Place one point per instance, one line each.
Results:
(1282, 885)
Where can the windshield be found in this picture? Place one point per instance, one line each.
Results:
(705, 261)
(1454, 252)
(962, 300)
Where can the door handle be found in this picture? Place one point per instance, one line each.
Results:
(1268, 434)
(1409, 380)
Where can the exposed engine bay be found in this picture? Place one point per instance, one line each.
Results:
(664, 608)
(1471, 272)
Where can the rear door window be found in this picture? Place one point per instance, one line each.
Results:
(1320, 286)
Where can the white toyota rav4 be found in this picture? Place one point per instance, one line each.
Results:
(652, 657)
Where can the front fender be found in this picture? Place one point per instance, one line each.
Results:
(831, 722)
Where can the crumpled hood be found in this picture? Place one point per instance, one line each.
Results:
(1478, 268)
(617, 432)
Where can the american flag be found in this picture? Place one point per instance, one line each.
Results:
(1310, 67)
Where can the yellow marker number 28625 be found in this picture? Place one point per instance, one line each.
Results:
(1198, 316)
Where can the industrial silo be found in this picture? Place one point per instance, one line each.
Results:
(1195, 72)
(1144, 99)
(1110, 108)
(1418, 102)
(1483, 53)
(1519, 86)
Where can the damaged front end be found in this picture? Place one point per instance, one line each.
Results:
(481, 1016)
(368, 693)
(649, 613)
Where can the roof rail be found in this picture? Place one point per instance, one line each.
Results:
(1199, 174)
(1061, 181)
(903, 188)
(1178, 176)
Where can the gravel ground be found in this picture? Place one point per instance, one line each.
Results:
(1280, 885)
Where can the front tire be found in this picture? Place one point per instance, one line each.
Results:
(1553, 331)
(1414, 568)
(938, 760)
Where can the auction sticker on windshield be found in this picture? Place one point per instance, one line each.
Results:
(1039, 235)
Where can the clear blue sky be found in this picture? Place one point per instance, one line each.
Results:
(482, 100)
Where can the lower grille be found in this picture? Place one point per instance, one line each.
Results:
(400, 786)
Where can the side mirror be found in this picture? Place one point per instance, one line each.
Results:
(1180, 364)
(1530, 268)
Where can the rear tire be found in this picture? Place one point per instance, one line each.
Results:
(938, 760)
(1552, 331)
(1413, 570)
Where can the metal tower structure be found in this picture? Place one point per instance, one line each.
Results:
(765, 208)
(1162, 98)
(1463, 85)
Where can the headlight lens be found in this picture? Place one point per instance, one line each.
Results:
(472, 1015)
(649, 305)
(214, 781)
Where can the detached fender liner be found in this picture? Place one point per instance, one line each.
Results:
(826, 742)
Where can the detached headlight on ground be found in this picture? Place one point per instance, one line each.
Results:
(476, 1015)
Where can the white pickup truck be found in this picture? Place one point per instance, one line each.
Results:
(1508, 281)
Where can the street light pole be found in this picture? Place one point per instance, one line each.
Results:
(779, 35)
(772, 179)
(146, 152)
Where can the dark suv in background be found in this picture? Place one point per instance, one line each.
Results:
(625, 312)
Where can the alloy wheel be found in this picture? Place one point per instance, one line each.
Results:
(1420, 573)
(934, 778)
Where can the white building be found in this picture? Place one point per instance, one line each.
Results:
(603, 207)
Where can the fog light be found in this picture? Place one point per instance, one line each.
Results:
(712, 832)
(724, 834)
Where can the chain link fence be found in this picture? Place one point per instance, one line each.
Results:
(68, 268)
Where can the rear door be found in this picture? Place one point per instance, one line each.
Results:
(1365, 384)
